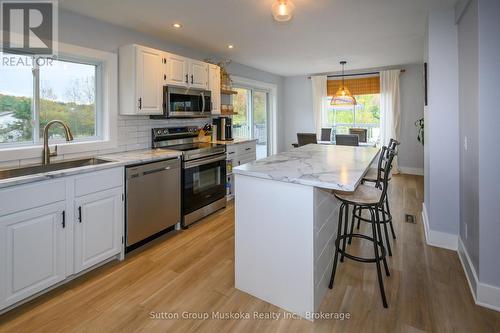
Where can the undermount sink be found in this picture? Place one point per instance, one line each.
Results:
(54, 166)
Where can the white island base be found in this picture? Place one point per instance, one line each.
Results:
(284, 242)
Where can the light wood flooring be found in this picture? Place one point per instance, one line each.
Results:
(193, 271)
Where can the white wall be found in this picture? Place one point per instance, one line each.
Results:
(411, 151)
(469, 118)
(298, 116)
(441, 125)
(134, 132)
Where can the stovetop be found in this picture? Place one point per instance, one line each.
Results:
(194, 146)
(185, 139)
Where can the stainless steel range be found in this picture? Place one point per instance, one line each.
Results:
(203, 171)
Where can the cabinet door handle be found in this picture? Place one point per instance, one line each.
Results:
(80, 214)
(140, 103)
(191, 78)
(164, 76)
(187, 79)
(248, 148)
(64, 219)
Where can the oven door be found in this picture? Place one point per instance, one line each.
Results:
(204, 182)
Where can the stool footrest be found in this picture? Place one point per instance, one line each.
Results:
(388, 217)
(356, 258)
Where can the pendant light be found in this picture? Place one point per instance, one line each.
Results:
(343, 96)
(283, 10)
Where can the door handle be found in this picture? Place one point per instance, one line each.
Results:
(140, 103)
(187, 79)
(80, 214)
(192, 79)
(164, 76)
(64, 219)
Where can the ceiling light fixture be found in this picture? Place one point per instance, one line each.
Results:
(230, 46)
(343, 96)
(283, 10)
(177, 25)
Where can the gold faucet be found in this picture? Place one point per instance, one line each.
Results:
(46, 150)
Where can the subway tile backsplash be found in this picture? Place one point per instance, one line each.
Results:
(134, 132)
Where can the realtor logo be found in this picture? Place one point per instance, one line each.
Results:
(29, 27)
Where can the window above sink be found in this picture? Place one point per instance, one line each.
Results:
(79, 88)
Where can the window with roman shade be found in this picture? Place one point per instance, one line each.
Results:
(364, 115)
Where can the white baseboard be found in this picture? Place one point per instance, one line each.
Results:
(411, 171)
(484, 294)
(438, 238)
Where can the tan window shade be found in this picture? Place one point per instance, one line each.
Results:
(361, 86)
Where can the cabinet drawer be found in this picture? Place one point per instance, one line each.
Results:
(246, 158)
(246, 148)
(231, 151)
(29, 196)
(98, 181)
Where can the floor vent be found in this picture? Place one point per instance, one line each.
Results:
(409, 218)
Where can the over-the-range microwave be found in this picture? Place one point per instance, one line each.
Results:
(181, 102)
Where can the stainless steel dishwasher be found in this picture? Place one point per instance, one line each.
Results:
(153, 200)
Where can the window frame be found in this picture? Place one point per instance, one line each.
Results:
(324, 117)
(272, 107)
(106, 99)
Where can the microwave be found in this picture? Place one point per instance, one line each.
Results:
(185, 103)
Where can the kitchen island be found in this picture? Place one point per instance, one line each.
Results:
(286, 221)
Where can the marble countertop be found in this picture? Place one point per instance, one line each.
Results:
(234, 142)
(141, 156)
(116, 160)
(326, 166)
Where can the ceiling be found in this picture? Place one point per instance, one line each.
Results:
(366, 33)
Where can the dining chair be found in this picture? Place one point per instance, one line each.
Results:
(347, 140)
(306, 138)
(326, 134)
(360, 132)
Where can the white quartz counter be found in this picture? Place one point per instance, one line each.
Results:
(234, 142)
(141, 156)
(325, 166)
(117, 159)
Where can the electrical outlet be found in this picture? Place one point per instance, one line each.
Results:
(465, 143)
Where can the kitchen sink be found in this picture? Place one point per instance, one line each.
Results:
(54, 166)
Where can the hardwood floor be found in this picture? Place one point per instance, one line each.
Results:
(193, 271)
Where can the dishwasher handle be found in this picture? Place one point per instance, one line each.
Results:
(145, 173)
(151, 168)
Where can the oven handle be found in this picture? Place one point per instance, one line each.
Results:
(196, 163)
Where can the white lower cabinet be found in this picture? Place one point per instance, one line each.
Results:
(238, 154)
(32, 255)
(43, 241)
(98, 229)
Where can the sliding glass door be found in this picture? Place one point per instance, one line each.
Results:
(251, 121)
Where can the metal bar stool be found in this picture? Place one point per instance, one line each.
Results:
(386, 216)
(375, 176)
(372, 199)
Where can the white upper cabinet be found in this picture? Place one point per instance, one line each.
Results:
(98, 227)
(177, 70)
(33, 251)
(142, 75)
(198, 74)
(144, 71)
(214, 87)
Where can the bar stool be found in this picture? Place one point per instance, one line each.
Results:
(375, 176)
(372, 199)
(386, 216)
